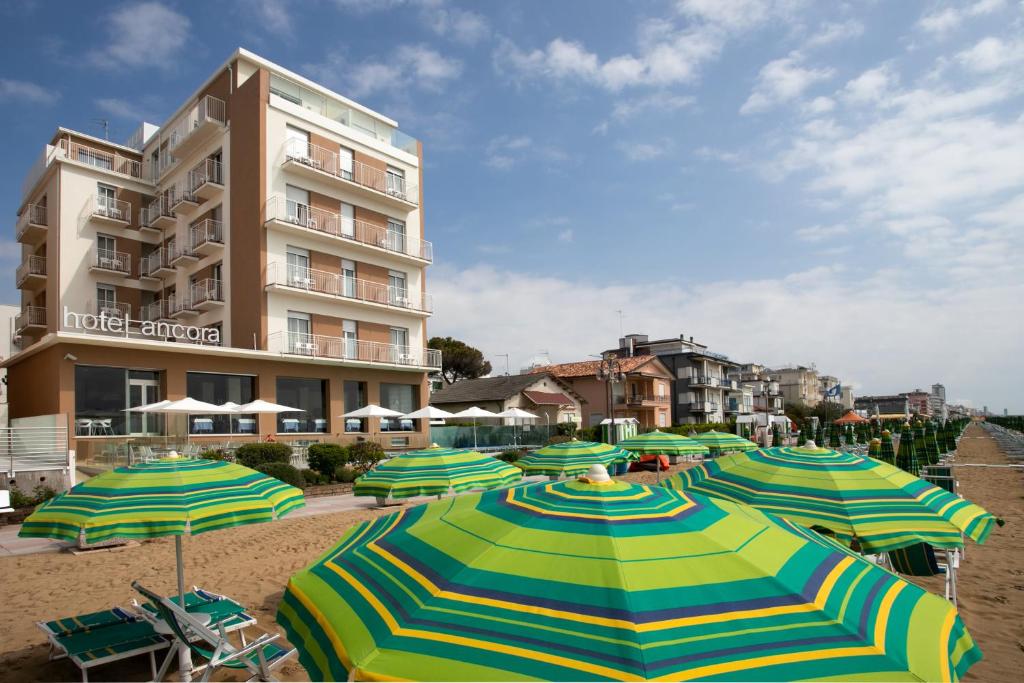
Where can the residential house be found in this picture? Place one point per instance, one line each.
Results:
(542, 394)
(644, 394)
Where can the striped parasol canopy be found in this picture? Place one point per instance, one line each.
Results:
(571, 458)
(722, 442)
(906, 454)
(887, 453)
(593, 579)
(659, 442)
(856, 498)
(435, 471)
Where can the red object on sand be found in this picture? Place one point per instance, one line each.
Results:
(645, 462)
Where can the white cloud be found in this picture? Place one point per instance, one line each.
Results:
(408, 66)
(871, 86)
(737, 14)
(940, 21)
(658, 102)
(565, 235)
(643, 151)
(461, 25)
(506, 151)
(23, 92)
(820, 233)
(991, 54)
(123, 109)
(144, 34)
(820, 105)
(833, 32)
(715, 154)
(273, 15)
(783, 80)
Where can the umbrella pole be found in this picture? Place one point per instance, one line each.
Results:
(184, 654)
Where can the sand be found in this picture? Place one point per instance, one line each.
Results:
(252, 565)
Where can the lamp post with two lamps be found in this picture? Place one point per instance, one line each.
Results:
(610, 371)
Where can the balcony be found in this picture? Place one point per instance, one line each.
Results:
(156, 264)
(110, 309)
(205, 118)
(102, 159)
(157, 215)
(111, 211)
(110, 262)
(30, 318)
(207, 294)
(180, 306)
(353, 350)
(644, 400)
(32, 225)
(181, 198)
(703, 407)
(206, 180)
(207, 237)
(320, 163)
(292, 216)
(31, 274)
(705, 381)
(180, 256)
(154, 311)
(320, 284)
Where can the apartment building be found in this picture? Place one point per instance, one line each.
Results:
(885, 407)
(764, 392)
(700, 382)
(266, 242)
(919, 401)
(937, 402)
(799, 385)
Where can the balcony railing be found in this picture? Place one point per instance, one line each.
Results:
(34, 215)
(108, 161)
(703, 407)
(154, 311)
(207, 231)
(113, 209)
(32, 265)
(329, 162)
(341, 348)
(342, 286)
(206, 171)
(328, 223)
(111, 309)
(176, 253)
(640, 399)
(208, 109)
(153, 262)
(179, 304)
(705, 380)
(207, 290)
(159, 208)
(30, 316)
(108, 259)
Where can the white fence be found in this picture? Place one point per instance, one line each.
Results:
(33, 449)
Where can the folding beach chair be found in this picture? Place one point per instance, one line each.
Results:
(919, 560)
(222, 610)
(91, 640)
(199, 633)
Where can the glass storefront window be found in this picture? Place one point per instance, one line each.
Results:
(308, 394)
(219, 389)
(101, 395)
(404, 398)
(355, 398)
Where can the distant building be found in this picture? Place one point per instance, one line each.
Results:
(892, 406)
(846, 398)
(763, 390)
(645, 394)
(700, 383)
(799, 385)
(937, 402)
(541, 394)
(8, 312)
(919, 402)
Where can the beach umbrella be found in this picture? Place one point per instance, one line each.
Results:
(721, 442)
(475, 414)
(593, 579)
(776, 435)
(931, 444)
(833, 437)
(428, 413)
(189, 407)
(875, 449)
(662, 443)
(169, 497)
(370, 410)
(906, 455)
(516, 414)
(886, 452)
(572, 457)
(435, 471)
(854, 497)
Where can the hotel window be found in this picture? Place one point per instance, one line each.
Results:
(400, 343)
(310, 397)
(298, 267)
(348, 278)
(396, 235)
(103, 395)
(219, 389)
(396, 181)
(348, 220)
(346, 163)
(297, 205)
(355, 398)
(95, 158)
(662, 420)
(398, 294)
(106, 300)
(300, 333)
(350, 339)
(296, 143)
(403, 398)
(106, 199)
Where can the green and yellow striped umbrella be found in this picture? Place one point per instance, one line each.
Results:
(585, 580)
(854, 497)
(435, 471)
(662, 443)
(571, 458)
(722, 442)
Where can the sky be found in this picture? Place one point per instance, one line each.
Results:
(787, 181)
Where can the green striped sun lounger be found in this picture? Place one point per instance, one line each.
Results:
(220, 608)
(920, 560)
(91, 640)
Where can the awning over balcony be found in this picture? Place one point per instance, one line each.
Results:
(548, 398)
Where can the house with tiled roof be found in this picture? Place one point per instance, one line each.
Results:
(643, 392)
(552, 399)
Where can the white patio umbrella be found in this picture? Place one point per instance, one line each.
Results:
(149, 407)
(517, 414)
(371, 410)
(429, 413)
(190, 406)
(261, 406)
(475, 413)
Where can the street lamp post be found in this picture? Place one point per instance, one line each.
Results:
(610, 372)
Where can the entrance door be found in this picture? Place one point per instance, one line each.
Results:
(141, 392)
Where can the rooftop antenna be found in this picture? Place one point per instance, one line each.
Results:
(505, 355)
(105, 124)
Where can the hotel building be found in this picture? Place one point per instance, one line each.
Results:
(266, 242)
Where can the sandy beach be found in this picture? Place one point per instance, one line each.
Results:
(252, 565)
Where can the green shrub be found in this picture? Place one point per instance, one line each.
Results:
(40, 494)
(363, 455)
(566, 429)
(282, 471)
(510, 455)
(254, 454)
(214, 454)
(345, 474)
(557, 438)
(590, 434)
(325, 458)
(312, 477)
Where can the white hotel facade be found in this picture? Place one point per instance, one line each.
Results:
(266, 242)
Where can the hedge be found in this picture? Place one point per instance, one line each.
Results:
(282, 471)
(255, 454)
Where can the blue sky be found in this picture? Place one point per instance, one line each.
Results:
(787, 181)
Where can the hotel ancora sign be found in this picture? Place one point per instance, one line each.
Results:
(102, 322)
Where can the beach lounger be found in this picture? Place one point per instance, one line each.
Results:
(91, 640)
(920, 560)
(219, 607)
(199, 634)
